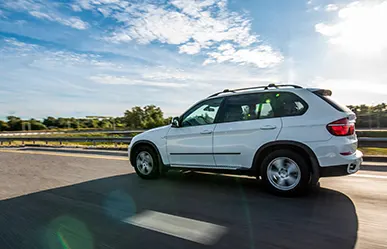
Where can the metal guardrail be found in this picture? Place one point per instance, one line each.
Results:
(363, 141)
(39, 133)
(118, 132)
(60, 140)
(378, 142)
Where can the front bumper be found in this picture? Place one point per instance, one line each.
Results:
(353, 165)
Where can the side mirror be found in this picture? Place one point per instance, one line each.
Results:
(175, 122)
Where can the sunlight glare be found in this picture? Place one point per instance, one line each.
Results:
(361, 28)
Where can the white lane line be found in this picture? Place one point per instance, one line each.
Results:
(369, 176)
(374, 164)
(184, 228)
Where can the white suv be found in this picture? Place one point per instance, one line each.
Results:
(286, 135)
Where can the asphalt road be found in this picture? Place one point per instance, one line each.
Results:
(77, 201)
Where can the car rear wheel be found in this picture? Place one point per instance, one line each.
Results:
(285, 172)
(146, 163)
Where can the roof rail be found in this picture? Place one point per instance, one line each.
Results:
(251, 88)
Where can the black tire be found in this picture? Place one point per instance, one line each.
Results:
(302, 174)
(154, 173)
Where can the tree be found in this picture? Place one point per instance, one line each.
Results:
(62, 123)
(133, 118)
(50, 122)
(144, 118)
(105, 124)
(370, 116)
(3, 126)
(167, 121)
(37, 125)
(153, 117)
(14, 123)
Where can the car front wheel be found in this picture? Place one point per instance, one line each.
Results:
(146, 163)
(285, 172)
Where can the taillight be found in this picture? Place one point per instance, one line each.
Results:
(342, 127)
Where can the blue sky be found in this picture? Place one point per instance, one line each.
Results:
(101, 57)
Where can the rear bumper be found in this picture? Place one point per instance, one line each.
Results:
(352, 166)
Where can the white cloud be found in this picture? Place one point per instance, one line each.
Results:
(76, 8)
(2, 14)
(14, 48)
(17, 48)
(262, 56)
(225, 46)
(373, 92)
(194, 26)
(361, 28)
(190, 48)
(331, 7)
(43, 10)
(124, 80)
(84, 83)
(73, 22)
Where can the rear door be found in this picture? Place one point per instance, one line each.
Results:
(246, 123)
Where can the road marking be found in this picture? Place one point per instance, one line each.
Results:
(65, 154)
(369, 176)
(374, 164)
(184, 228)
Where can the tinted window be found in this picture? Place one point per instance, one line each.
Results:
(333, 103)
(203, 113)
(248, 107)
(289, 104)
(262, 105)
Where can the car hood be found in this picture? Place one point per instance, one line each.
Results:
(153, 134)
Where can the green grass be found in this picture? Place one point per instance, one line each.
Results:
(369, 151)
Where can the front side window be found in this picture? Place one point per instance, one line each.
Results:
(203, 113)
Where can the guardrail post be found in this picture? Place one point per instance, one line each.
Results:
(46, 142)
(23, 142)
(95, 143)
(60, 143)
(1, 142)
(33, 142)
(9, 143)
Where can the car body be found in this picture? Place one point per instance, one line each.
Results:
(239, 131)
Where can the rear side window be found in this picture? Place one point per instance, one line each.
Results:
(248, 107)
(262, 106)
(333, 103)
(289, 104)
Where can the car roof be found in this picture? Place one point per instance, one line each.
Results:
(256, 89)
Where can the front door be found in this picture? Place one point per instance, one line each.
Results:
(190, 144)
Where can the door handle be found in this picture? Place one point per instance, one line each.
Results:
(206, 132)
(268, 127)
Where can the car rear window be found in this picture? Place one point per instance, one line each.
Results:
(334, 103)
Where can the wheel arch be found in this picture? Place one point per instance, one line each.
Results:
(298, 147)
(141, 143)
